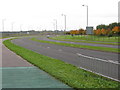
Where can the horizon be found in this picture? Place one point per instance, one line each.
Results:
(39, 15)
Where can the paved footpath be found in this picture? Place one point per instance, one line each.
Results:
(18, 73)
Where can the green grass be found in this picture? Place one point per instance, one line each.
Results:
(88, 39)
(67, 73)
(107, 43)
(3, 37)
(80, 46)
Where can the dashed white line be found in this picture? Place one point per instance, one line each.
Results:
(59, 49)
(99, 74)
(110, 61)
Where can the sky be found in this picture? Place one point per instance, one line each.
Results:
(17, 15)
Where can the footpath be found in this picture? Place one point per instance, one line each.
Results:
(18, 73)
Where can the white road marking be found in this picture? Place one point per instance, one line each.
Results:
(48, 47)
(110, 61)
(59, 49)
(99, 74)
(40, 45)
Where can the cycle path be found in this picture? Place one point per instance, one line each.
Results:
(18, 73)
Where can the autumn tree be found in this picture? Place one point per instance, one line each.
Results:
(103, 31)
(98, 32)
(116, 30)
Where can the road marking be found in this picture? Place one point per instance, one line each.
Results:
(110, 61)
(99, 74)
(40, 45)
(48, 47)
(59, 49)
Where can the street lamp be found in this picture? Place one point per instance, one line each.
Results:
(119, 12)
(65, 21)
(56, 23)
(12, 25)
(87, 12)
(53, 26)
(21, 27)
(3, 20)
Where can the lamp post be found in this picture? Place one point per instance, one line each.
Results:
(87, 12)
(119, 12)
(53, 26)
(21, 27)
(56, 23)
(12, 26)
(3, 20)
(65, 21)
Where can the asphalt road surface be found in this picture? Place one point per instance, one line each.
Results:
(80, 43)
(102, 63)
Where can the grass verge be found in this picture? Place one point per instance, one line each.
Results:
(80, 46)
(67, 73)
(85, 41)
(90, 38)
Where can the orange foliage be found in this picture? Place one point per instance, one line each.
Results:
(103, 31)
(98, 32)
(77, 32)
(116, 29)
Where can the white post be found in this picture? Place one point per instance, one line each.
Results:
(56, 23)
(65, 21)
(3, 20)
(12, 26)
(87, 13)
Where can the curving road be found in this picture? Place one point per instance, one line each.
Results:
(80, 43)
(102, 63)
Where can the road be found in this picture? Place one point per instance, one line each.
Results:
(102, 63)
(80, 43)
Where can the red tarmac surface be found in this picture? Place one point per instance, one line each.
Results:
(10, 59)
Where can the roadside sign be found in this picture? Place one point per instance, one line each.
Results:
(89, 30)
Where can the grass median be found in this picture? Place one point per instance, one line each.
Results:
(84, 41)
(116, 50)
(91, 38)
(67, 73)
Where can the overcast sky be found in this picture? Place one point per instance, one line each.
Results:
(40, 14)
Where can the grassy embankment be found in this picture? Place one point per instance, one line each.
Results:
(67, 73)
(88, 39)
(108, 49)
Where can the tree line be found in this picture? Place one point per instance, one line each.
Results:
(112, 29)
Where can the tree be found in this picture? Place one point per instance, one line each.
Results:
(116, 30)
(103, 32)
(108, 31)
(73, 32)
(98, 32)
(112, 25)
(94, 31)
(102, 26)
(81, 31)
